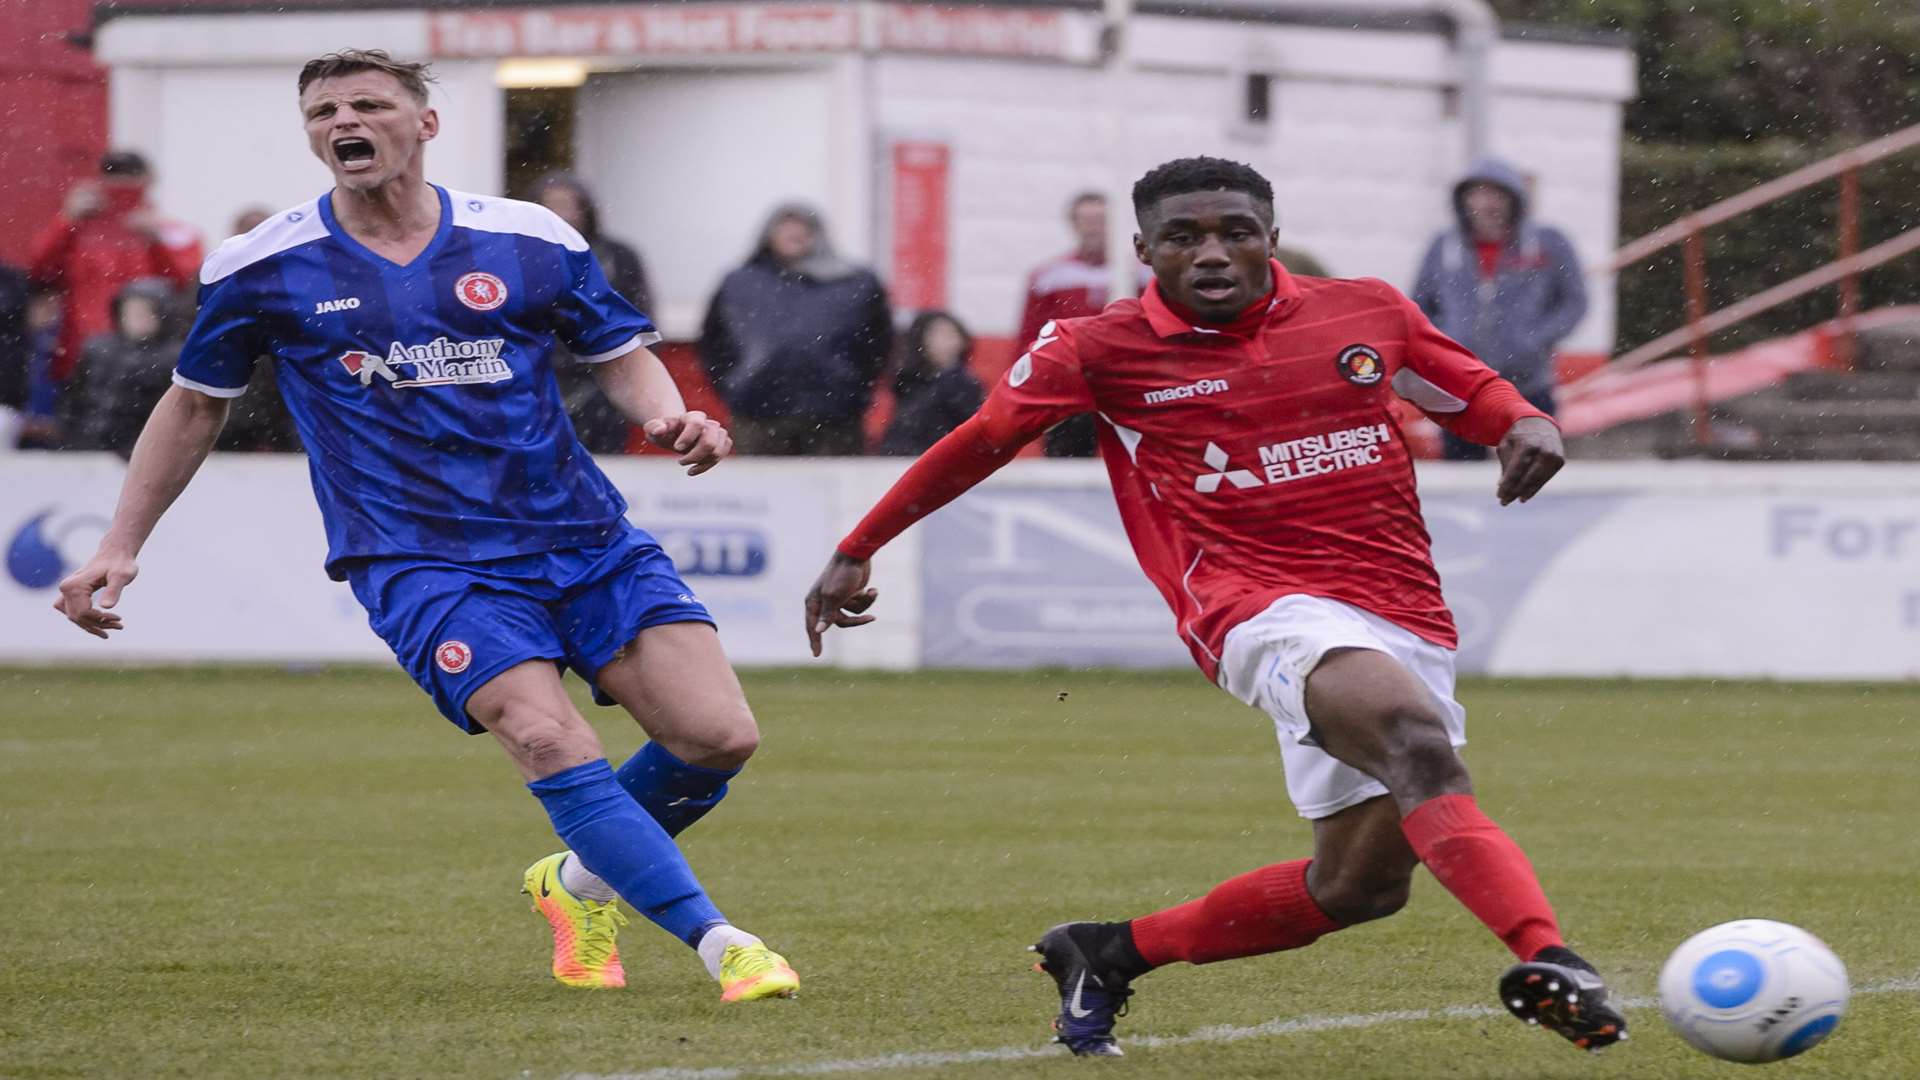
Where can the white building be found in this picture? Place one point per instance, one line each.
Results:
(942, 141)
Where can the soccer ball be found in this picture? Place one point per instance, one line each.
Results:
(1753, 991)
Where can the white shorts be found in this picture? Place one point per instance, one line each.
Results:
(1265, 663)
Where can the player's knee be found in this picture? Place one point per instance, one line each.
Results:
(1423, 763)
(726, 741)
(1350, 897)
(544, 742)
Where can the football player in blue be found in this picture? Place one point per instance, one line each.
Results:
(412, 330)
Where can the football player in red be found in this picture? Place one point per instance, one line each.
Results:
(1248, 428)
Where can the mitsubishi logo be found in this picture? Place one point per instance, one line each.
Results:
(1216, 458)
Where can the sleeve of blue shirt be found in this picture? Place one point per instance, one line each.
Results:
(220, 350)
(594, 322)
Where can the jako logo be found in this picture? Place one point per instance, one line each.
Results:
(35, 555)
(344, 304)
(1175, 393)
(716, 551)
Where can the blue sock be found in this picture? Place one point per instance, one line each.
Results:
(625, 848)
(675, 793)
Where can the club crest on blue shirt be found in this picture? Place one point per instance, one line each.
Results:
(480, 290)
(1361, 365)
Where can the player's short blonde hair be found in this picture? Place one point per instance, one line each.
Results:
(413, 77)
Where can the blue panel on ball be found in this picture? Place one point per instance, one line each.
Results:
(1808, 1036)
(1727, 979)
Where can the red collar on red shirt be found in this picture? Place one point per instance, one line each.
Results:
(1168, 320)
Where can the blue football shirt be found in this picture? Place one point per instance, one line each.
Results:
(424, 393)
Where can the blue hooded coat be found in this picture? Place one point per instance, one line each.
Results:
(1514, 319)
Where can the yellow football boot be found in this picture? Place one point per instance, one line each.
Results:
(584, 949)
(752, 972)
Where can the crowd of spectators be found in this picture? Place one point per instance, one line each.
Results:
(799, 342)
(90, 328)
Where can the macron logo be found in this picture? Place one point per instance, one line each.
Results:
(344, 304)
(1176, 393)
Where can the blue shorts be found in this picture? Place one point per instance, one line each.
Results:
(454, 626)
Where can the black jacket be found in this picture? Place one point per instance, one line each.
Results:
(780, 342)
(924, 412)
(105, 402)
(16, 346)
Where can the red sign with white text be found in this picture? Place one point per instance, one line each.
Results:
(644, 31)
(920, 225)
(692, 29)
(973, 31)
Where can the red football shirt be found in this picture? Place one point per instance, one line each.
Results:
(1249, 461)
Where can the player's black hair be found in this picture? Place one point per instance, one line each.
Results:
(1182, 176)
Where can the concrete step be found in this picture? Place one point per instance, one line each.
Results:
(1739, 445)
(1837, 448)
(1784, 417)
(1854, 385)
(1889, 348)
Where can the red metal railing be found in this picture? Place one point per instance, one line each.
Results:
(1845, 270)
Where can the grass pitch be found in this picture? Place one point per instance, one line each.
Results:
(252, 873)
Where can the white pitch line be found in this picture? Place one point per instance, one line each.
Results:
(1271, 1029)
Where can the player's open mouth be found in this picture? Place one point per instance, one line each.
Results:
(353, 153)
(1213, 287)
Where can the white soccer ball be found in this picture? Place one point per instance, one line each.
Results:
(1753, 991)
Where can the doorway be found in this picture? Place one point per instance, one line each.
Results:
(540, 125)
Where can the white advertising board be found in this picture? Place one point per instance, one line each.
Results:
(234, 570)
(232, 573)
(1792, 572)
(1635, 570)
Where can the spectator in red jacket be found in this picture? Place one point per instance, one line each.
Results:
(105, 237)
(1068, 287)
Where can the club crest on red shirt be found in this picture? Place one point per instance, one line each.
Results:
(480, 291)
(1361, 365)
(453, 657)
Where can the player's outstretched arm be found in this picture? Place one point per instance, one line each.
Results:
(640, 386)
(1043, 387)
(175, 441)
(967, 455)
(1530, 453)
(839, 597)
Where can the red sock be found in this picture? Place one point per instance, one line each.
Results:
(1264, 911)
(1485, 870)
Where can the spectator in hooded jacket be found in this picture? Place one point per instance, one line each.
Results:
(795, 340)
(933, 391)
(1502, 285)
(124, 372)
(106, 236)
(602, 428)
